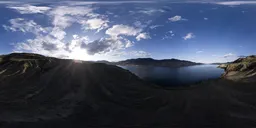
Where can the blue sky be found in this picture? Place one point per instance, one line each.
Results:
(212, 31)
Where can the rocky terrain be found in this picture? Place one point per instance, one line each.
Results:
(242, 69)
(38, 91)
(161, 63)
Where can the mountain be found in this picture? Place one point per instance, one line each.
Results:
(45, 92)
(241, 69)
(153, 62)
(36, 88)
(220, 63)
(104, 62)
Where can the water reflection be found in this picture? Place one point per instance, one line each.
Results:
(175, 76)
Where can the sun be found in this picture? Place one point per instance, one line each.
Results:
(78, 54)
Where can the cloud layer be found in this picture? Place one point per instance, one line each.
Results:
(235, 2)
(52, 40)
(30, 9)
(102, 30)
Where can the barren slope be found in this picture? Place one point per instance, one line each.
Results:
(38, 91)
(242, 69)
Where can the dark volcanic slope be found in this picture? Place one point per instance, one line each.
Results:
(153, 62)
(37, 91)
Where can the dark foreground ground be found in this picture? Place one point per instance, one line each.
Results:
(48, 92)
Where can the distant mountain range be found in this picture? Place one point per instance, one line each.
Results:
(153, 62)
(221, 63)
(137, 61)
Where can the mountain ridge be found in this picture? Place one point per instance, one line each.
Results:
(153, 62)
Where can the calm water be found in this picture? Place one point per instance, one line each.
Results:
(176, 76)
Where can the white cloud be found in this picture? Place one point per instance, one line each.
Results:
(20, 24)
(75, 36)
(128, 43)
(205, 18)
(74, 11)
(168, 35)
(117, 30)
(228, 55)
(189, 36)
(142, 25)
(151, 11)
(106, 2)
(47, 41)
(232, 3)
(155, 26)
(176, 18)
(58, 33)
(199, 52)
(62, 21)
(151, 1)
(170, 32)
(95, 23)
(103, 45)
(140, 54)
(76, 41)
(139, 24)
(64, 16)
(52, 41)
(45, 45)
(30, 9)
(9, 2)
(131, 54)
(142, 36)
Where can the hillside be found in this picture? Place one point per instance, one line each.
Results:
(35, 88)
(38, 91)
(241, 69)
(153, 62)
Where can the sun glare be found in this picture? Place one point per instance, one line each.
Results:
(79, 54)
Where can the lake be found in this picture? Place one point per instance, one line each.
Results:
(166, 76)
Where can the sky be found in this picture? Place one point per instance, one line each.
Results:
(199, 31)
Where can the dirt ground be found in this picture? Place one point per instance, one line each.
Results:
(64, 93)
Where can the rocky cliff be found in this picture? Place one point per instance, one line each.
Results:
(242, 69)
